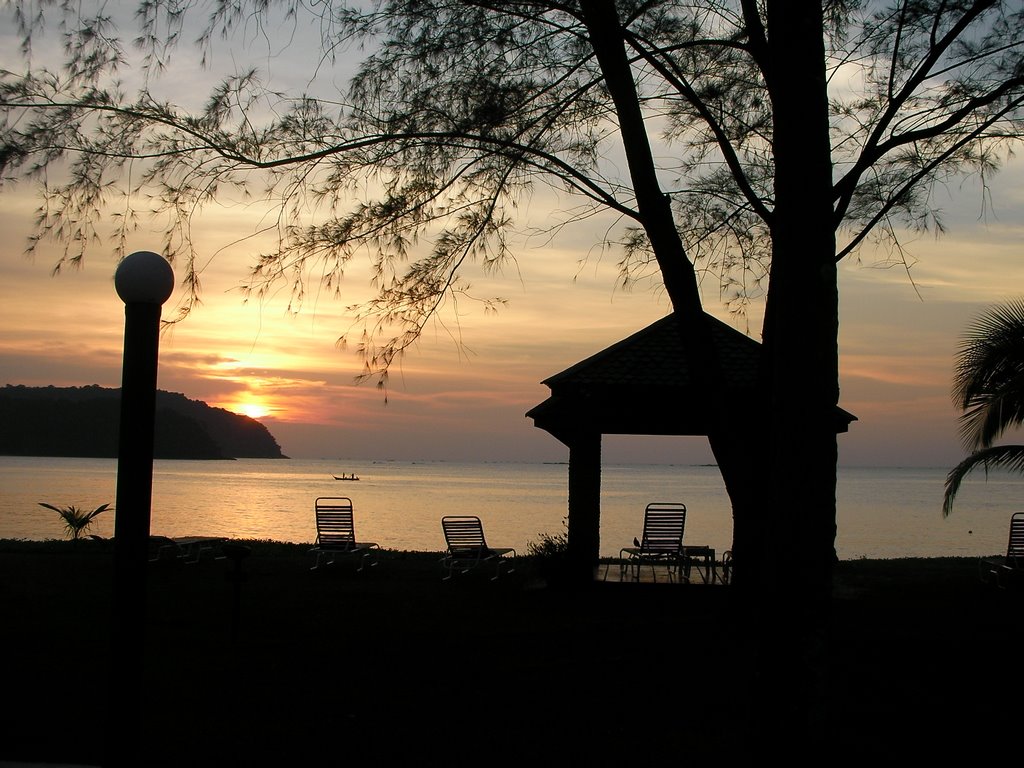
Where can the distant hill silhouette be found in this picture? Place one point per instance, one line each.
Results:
(83, 421)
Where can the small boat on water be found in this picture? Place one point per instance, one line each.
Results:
(346, 477)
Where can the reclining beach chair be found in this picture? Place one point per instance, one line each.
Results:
(184, 549)
(661, 544)
(336, 534)
(467, 548)
(1002, 569)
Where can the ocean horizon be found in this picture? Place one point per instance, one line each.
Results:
(882, 512)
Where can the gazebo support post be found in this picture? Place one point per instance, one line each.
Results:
(584, 528)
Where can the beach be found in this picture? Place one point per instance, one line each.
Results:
(394, 664)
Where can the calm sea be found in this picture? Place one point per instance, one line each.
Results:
(883, 513)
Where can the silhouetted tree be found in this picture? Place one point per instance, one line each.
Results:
(762, 140)
(989, 387)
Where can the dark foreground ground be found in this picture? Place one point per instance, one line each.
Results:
(392, 665)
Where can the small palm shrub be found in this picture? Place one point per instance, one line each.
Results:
(76, 519)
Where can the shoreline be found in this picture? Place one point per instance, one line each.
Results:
(400, 506)
(270, 546)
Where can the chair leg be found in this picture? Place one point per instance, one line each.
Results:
(499, 562)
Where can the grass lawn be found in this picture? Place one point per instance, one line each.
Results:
(393, 664)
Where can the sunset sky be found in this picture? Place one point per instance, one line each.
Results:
(462, 392)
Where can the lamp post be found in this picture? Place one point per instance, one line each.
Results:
(144, 281)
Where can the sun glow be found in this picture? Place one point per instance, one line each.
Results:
(253, 410)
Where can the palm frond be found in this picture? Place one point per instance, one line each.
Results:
(988, 383)
(1005, 456)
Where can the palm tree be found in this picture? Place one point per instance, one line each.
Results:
(76, 520)
(988, 385)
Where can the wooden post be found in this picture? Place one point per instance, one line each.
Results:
(584, 505)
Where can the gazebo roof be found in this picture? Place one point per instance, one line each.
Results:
(643, 385)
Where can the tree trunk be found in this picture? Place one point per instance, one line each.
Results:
(801, 372)
(731, 422)
(781, 479)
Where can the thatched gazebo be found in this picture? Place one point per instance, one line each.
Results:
(642, 385)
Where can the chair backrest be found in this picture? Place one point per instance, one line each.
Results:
(1015, 546)
(463, 533)
(664, 522)
(334, 524)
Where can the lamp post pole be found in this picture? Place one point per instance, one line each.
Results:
(144, 281)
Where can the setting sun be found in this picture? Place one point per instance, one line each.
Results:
(253, 410)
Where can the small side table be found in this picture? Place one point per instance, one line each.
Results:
(706, 562)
